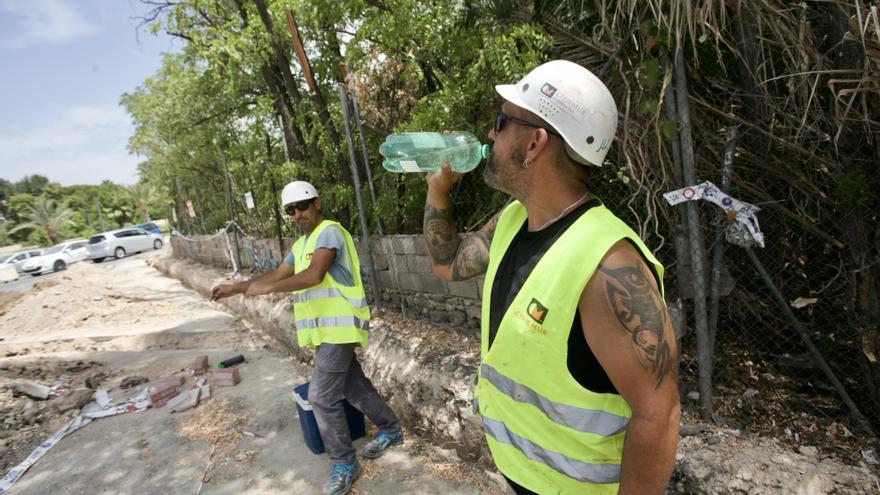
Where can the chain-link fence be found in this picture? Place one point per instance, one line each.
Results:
(765, 377)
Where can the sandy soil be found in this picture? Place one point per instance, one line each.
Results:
(97, 324)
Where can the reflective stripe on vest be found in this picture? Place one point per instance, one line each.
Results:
(332, 321)
(577, 418)
(323, 293)
(573, 468)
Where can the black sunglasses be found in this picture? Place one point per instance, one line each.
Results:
(301, 206)
(500, 117)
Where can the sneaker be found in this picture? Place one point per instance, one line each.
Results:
(378, 445)
(341, 478)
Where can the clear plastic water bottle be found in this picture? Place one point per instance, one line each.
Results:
(425, 151)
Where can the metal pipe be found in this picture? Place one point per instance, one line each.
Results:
(695, 237)
(365, 233)
(360, 129)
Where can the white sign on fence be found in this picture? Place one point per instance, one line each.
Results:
(249, 200)
(189, 208)
(744, 212)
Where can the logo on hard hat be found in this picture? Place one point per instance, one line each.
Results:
(548, 90)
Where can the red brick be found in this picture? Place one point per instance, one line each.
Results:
(225, 377)
(163, 391)
(200, 365)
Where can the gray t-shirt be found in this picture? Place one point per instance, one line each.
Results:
(340, 269)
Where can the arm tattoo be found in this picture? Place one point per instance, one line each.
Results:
(440, 234)
(473, 254)
(639, 308)
(467, 258)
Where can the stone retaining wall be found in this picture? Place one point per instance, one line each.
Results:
(403, 270)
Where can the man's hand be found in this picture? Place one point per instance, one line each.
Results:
(224, 290)
(258, 289)
(441, 182)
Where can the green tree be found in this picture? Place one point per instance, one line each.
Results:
(46, 217)
(6, 190)
(31, 184)
(142, 196)
(18, 205)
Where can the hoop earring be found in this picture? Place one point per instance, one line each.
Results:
(525, 163)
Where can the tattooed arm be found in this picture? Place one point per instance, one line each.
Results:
(628, 329)
(453, 258)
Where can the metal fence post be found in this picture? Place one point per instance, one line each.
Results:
(695, 236)
(365, 233)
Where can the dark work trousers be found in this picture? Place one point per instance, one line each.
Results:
(338, 375)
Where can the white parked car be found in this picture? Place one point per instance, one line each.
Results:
(17, 260)
(121, 242)
(56, 258)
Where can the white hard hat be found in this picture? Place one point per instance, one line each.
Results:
(297, 191)
(572, 100)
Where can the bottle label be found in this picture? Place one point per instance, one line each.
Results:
(410, 166)
(427, 140)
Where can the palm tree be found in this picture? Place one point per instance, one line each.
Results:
(142, 195)
(47, 217)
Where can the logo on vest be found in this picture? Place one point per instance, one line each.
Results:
(537, 311)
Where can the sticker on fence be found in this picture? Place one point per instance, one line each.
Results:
(743, 212)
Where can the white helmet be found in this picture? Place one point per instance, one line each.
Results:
(297, 191)
(572, 100)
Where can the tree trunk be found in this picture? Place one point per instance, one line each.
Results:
(283, 65)
(857, 150)
(292, 137)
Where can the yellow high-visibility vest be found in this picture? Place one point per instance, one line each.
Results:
(329, 312)
(546, 432)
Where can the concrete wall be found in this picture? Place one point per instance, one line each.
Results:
(403, 270)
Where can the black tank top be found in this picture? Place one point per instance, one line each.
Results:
(519, 260)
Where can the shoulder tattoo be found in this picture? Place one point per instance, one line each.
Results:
(642, 314)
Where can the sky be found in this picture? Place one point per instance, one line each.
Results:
(64, 64)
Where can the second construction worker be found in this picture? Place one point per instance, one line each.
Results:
(332, 317)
